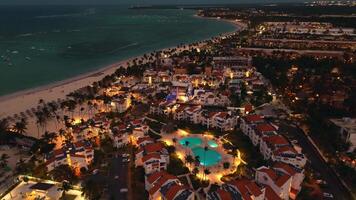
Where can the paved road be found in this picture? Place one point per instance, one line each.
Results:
(317, 163)
(117, 168)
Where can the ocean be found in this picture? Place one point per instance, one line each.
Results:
(40, 45)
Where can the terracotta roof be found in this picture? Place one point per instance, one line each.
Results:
(278, 180)
(150, 156)
(247, 188)
(224, 195)
(284, 149)
(212, 114)
(164, 178)
(282, 180)
(173, 191)
(265, 127)
(285, 167)
(248, 108)
(276, 140)
(270, 194)
(294, 191)
(270, 172)
(222, 115)
(144, 139)
(136, 122)
(253, 118)
(155, 176)
(153, 147)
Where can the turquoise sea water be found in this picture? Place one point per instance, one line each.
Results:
(42, 45)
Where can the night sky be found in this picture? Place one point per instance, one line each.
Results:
(140, 2)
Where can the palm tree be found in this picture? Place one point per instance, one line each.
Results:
(195, 171)
(206, 172)
(20, 126)
(4, 125)
(4, 160)
(49, 137)
(189, 159)
(41, 122)
(91, 189)
(65, 187)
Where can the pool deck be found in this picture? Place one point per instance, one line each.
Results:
(217, 171)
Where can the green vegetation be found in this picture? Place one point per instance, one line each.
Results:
(198, 183)
(176, 165)
(249, 153)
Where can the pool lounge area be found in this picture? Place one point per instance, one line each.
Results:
(208, 148)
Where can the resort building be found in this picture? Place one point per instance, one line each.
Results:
(78, 155)
(161, 185)
(151, 148)
(155, 162)
(241, 189)
(347, 130)
(248, 122)
(280, 183)
(270, 144)
(121, 103)
(297, 175)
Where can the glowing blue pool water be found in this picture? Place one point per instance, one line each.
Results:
(207, 157)
(212, 144)
(191, 142)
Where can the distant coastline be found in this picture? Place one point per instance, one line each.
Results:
(20, 101)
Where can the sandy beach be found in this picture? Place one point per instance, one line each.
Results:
(21, 101)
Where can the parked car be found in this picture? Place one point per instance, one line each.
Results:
(126, 160)
(328, 195)
(95, 171)
(125, 155)
(124, 190)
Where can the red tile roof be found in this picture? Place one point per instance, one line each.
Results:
(284, 149)
(144, 139)
(247, 188)
(276, 140)
(173, 191)
(253, 118)
(270, 194)
(270, 172)
(224, 195)
(151, 156)
(294, 191)
(153, 147)
(155, 176)
(278, 180)
(222, 115)
(285, 167)
(248, 108)
(282, 180)
(164, 178)
(265, 127)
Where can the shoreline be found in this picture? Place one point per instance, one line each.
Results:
(20, 101)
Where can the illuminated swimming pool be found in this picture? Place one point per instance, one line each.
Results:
(212, 144)
(191, 142)
(207, 157)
